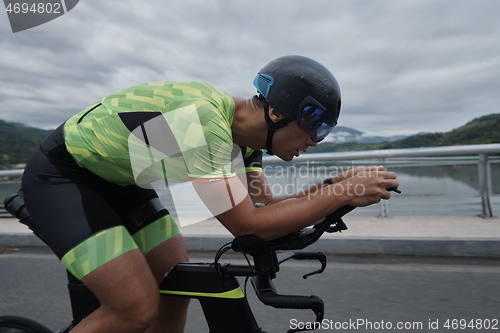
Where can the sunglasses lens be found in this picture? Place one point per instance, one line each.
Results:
(316, 122)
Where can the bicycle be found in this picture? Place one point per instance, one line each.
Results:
(214, 285)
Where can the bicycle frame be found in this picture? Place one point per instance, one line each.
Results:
(223, 301)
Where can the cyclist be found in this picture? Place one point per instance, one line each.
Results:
(87, 184)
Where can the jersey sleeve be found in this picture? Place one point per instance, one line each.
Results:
(252, 159)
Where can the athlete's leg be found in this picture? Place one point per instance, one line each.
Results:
(156, 234)
(78, 223)
(76, 214)
(128, 293)
(172, 310)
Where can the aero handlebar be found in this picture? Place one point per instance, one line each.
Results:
(267, 261)
(294, 241)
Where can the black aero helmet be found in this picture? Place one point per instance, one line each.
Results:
(301, 89)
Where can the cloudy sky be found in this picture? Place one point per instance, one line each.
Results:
(404, 66)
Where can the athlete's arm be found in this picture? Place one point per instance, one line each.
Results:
(233, 206)
(259, 189)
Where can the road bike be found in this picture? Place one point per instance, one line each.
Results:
(214, 285)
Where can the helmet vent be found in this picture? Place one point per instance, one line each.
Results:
(263, 83)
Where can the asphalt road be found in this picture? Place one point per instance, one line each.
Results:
(361, 293)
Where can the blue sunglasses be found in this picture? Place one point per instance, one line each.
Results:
(316, 122)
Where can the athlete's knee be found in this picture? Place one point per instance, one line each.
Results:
(142, 317)
(139, 311)
(127, 290)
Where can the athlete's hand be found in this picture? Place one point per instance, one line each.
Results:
(355, 171)
(367, 186)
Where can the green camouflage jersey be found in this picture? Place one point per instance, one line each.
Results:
(179, 131)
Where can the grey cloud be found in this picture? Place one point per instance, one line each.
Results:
(399, 63)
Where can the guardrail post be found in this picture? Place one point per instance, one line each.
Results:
(384, 204)
(485, 185)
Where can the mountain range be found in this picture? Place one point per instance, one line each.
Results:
(17, 141)
(342, 134)
(483, 130)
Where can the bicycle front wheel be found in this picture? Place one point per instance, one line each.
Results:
(14, 324)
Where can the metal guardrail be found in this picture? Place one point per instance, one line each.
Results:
(11, 173)
(381, 156)
(493, 148)
(12, 186)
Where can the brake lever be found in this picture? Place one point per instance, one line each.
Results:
(320, 256)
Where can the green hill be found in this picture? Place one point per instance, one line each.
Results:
(481, 130)
(17, 141)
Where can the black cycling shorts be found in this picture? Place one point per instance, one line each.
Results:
(85, 219)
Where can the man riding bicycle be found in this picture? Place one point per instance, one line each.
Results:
(87, 186)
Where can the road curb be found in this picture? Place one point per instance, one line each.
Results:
(20, 239)
(454, 247)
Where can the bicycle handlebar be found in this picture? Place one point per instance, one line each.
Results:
(294, 241)
(267, 262)
(267, 294)
(294, 302)
(291, 302)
